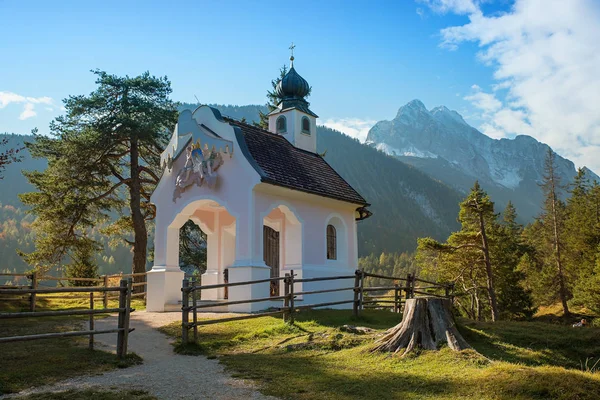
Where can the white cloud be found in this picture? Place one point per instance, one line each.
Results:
(29, 103)
(545, 55)
(486, 102)
(354, 127)
(28, 111)
(455, 6)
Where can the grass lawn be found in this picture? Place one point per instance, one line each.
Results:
(313, 359)
(45, 361)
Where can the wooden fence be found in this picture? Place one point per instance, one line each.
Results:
(105, 281)
(124, 294)
(391, 296)
(191, 292)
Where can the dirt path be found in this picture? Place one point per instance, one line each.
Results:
(164, 374)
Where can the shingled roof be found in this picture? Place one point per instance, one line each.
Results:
(280, 163)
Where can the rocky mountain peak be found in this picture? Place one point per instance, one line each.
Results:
(441, 143)
(412, 110)
(443, 113)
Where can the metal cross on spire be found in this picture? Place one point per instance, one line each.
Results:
(292, 47)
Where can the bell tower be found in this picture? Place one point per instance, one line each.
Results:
(292, 118)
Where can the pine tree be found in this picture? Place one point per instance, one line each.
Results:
(82, 265)
(192, 246)
(514, 301)
(273, 99)
(9, 155)
(465, 258)
(552, 219)
(103, 157)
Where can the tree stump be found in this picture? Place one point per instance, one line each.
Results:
(427, 323)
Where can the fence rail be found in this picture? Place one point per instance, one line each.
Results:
(359, 301)
(124, 289)
(104, 282)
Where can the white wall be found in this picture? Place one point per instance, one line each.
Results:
(303, 220)
(314, 213)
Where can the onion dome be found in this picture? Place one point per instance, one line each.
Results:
(292, 86)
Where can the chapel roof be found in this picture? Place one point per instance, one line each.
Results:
(280, 163)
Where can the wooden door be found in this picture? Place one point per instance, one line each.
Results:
(271, 256)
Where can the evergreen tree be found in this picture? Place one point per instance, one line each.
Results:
(552, 219)
(103, 157)
(465, 258)
(82, 265)
(589, 288)
(273, 99)
(514, 301)
(8, 155)
(192, 246)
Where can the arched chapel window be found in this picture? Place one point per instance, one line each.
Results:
(331, 243)
(305, 125)
(281, 124)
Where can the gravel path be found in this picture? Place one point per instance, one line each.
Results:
(164, 374)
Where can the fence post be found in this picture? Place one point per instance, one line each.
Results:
(185, 316)
(286, 300)
(105, 295)
(407, 290)
(34, 285)
(127, 314)
(194, 304)
(361, 286)
(91, 342)
(292, 296)
(121, 320)
(396, 299)
(355, 305)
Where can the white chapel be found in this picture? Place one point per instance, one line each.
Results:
(267, 201)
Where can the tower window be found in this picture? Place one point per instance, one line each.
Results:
(305, 125)
(331, 243)
(281, 124)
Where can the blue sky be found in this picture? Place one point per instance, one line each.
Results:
(363, 61)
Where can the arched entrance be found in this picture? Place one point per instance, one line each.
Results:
(282, 244)
(218, 224)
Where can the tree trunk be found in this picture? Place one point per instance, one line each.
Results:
(557, 245)
(139, 224)
(426, 324)
(488, 268)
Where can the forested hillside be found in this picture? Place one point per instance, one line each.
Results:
(406, 203)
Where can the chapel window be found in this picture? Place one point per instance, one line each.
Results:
(305, 125)
(281, 124)
(331, 243)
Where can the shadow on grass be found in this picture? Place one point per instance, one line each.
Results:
(283, 360)
(45, 361)
(532, 343)
(375, 319)
(308, 375)
(444, 375)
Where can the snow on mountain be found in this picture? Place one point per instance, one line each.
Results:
(410, 151)
(440, 142)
